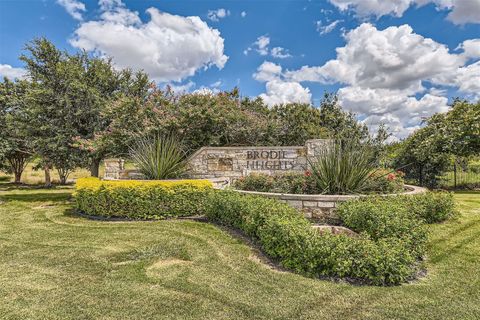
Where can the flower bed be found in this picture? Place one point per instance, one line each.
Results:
(379, 182)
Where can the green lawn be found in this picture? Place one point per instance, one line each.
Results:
(57, 266)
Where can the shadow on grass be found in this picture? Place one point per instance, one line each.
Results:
(38, 197)
(5, 179)
(40, 186)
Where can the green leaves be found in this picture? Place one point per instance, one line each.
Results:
(160, 157)
(342, 168)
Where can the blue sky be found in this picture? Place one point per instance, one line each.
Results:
(392, 62)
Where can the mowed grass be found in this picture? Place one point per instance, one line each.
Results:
(55, 265)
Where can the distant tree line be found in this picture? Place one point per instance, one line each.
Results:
(73, 110)
(451, 137)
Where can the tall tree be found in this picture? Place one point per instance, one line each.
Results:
(55, 106)
(15, 145)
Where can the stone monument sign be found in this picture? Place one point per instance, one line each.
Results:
(235, 162)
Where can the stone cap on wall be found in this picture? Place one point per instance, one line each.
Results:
(411, 190)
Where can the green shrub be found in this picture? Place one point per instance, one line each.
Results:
(291, 182)
(255, 182)
(379, 181)
(384, 217)
(159, 157)
(384, 181)
(432, 207)
(141, 200)
(286, 236)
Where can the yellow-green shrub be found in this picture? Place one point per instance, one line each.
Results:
(141, 199)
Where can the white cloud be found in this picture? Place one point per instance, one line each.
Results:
(385, 73)
(216, 84)
(115, 11)
(281, 92)
(261, 46)
(471, 48)
(243, 14)
(461, 11)
(181, 88)
(268, 71)
(169, 47)
(327, 28)
(398, 110)
(365, 8)
(468, 80)
(465, 11)
(206, 91)
(216, 15)
(279, 52)
(11, 73)
(73, 7)
(392, 58)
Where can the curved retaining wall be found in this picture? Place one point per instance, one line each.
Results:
(322, 207)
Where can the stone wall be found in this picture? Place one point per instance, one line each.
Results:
(322, 207)
(113, 168)
(236, 162)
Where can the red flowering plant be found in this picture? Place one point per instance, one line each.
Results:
(384, 181)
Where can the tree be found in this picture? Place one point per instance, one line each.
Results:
(459, 128)
(15, 145)
(120, 119)
(55, 106)
(341, 124)
(427, 153)
(297, 123)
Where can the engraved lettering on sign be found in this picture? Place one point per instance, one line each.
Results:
(268, 160)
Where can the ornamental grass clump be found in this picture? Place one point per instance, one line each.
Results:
(342, 168)
(159, 157)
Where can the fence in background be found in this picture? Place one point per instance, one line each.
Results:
(459, 177)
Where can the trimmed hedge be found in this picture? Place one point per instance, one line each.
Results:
(141, 199)
(286, 236)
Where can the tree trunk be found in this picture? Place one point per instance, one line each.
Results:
(95, 167)
(18, 177)
(18, 162)
(63, 174)
(48, 179)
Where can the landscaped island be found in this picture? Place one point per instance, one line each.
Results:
(388, 248)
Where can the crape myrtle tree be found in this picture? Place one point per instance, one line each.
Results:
(15, 145)
(428, 152)
(71, 106)
(111, 120)
(207, 119)
(125, 117)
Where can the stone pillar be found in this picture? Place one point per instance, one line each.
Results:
(315, 146)
(113, 167)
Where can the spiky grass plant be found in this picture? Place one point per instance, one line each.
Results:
(159, 157)
(342, 168)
